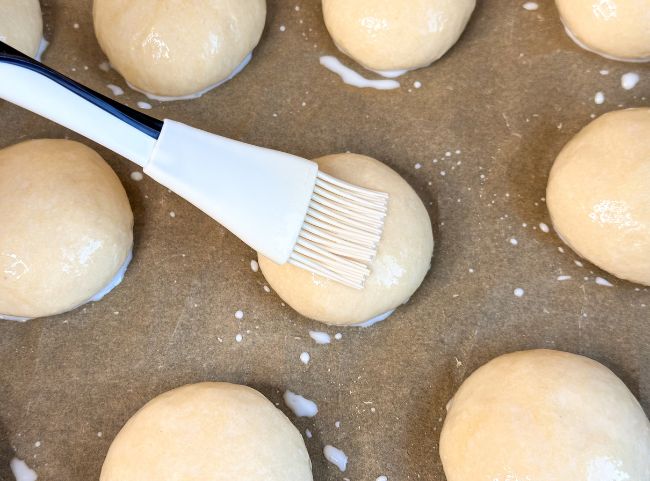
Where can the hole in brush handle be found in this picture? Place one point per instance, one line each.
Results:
(142, 122)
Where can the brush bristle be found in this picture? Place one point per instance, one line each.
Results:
(341, 231)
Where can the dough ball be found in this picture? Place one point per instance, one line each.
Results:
(389, 35)
(402, 261)
(178, 48)
(67, 227)
(545, 416)
(21, 25)
(209, 431)
(598, 194)
(616, 29)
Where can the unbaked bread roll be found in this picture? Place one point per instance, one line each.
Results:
(545, 416)
(21, 25)
(178, 48)
(209, 431)
(598, 194)
(396, 35)
(403, 257)
(616, 29)
(67, 228)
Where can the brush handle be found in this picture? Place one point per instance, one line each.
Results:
(46, 92)
(258, 194)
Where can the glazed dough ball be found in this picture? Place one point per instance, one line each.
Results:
(545, 416)
(402, 261)
(209, 431)
(177, 48)
(598, 194)
(617, 29)
(389, 35)
(67, 227)
(21, 25)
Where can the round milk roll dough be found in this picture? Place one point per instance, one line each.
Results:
(178, 48)
(545, 416)
(403, 257)
(21, 25)
(67, 227)
(394, 35)
(208, 431)
(598, 194)
(616, 29)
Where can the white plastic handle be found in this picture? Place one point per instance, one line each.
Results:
(258, 194)
(43, 96)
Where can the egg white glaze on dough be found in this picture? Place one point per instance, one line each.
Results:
(21, 25)
(545, 415)
(71, 228)
(614, 29)
(598, 194)
(394, 36)
(178, 48)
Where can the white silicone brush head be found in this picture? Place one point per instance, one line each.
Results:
(342, 229)
(279, 204)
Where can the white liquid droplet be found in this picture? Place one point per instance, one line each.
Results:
(255, 266)
(351, 77)
(519, 292)
(305, 357)
(144, 105)
(137, 176)
(603, 282)
(599, 98)
(544, 228)
(530, 6)
(117, 91)
(563, 278)
(320, 337)
(335, 456)
(239, 314)
(239, 338)
(301, 407)
(629, 80)
(21, 471)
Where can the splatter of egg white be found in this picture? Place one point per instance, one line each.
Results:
(320, 337)
(305, 358)
(354, 79)
(301, 406)
(337, 457)
(630, 80)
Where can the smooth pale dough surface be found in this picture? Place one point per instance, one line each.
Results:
(68, 227)
(389, 35)
(21, 25)
(545, 416)
(618, 29)
(208, 431)
(403, 257)
(177, 48)
(598, 194)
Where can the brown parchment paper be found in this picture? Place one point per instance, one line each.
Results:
(508, 96)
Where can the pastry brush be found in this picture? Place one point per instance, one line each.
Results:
(279, 204)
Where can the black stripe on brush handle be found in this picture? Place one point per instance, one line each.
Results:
(144, 123)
